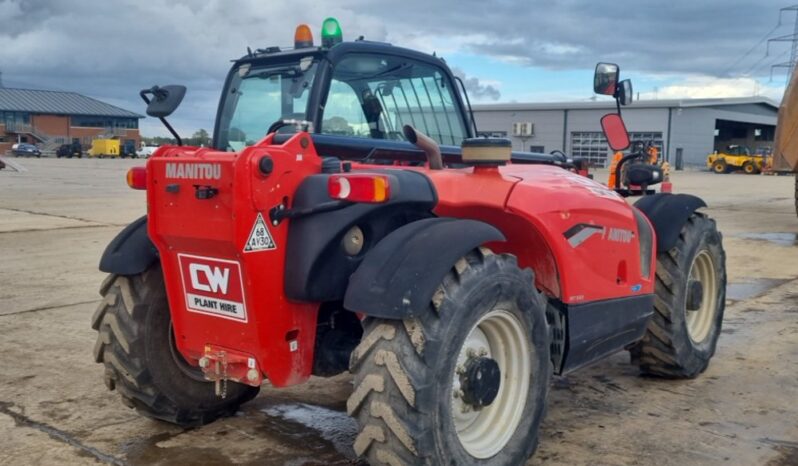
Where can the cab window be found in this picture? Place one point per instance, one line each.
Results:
(260, 96)
(375, 96)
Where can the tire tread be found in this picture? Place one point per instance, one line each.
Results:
(119, 321)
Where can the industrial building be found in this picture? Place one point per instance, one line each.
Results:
(686, 130)
(51, 118)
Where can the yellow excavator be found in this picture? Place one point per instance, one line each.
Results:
(785, 146)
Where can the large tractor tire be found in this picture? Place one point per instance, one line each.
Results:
(690, 300)
(750, 169)
(464, 383)
(136, 344)
(720, 167)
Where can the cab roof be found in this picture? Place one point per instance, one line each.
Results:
(273, 54)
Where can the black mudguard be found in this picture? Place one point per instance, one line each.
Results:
(316, 267)
(131, 252)
(668, 213)
(399, 276)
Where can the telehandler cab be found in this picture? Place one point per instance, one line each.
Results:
(348, 218)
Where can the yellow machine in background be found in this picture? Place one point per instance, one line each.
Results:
(735, 158)
(104, 148)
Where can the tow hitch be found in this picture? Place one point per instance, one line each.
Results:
(220, 365)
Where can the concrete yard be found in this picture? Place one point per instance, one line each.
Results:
(57, 217)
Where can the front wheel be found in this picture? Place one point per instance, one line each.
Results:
(749, 168)
(135, 342)
(691, 297)
(720, 167)
(465, 382)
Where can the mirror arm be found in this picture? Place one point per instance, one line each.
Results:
(617, 96)
(154, 91)
(171, 130)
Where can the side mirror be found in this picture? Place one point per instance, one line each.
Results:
(605, 79)
(625, 92)
(162, 101)
(615, 131)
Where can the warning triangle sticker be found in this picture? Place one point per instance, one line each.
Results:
(260, 239)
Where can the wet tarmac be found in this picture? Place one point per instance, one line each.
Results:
(749, 289)
(780, 239)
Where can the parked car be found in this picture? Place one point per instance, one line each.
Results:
(70, 150)
(128, 149)
(25, 150)
(146, 151)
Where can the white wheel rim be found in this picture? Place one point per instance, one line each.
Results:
(498, 335)
(701, 320)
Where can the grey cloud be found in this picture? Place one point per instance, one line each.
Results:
(112, 49)
(678, 36)
(476, 90)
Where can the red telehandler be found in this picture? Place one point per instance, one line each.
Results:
(347, 218)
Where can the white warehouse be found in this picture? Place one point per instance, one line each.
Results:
(686, 130)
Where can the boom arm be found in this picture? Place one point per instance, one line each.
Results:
(785, 147)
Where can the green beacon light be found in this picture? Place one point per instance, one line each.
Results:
(331, 33)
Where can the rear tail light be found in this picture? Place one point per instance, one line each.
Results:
(368, 188)
(137, 178)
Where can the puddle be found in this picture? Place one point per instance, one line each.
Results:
(285, 434)
(334, 426)
(751, 288)
(779, 239)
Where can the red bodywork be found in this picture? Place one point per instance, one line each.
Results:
(232, 302)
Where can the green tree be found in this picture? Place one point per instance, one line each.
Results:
(200, 138)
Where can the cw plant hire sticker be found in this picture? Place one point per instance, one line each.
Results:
(260, 239)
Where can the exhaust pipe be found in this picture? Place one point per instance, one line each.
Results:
(425, 143)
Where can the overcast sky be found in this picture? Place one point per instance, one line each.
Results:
(508, 50)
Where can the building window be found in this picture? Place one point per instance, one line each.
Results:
(590, 146)
(13, 120)
(654, 136)
(104, 122)
(538, 149)
(492, 134)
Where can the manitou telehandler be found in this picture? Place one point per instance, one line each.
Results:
(347, 217)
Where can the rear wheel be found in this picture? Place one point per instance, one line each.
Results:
(719, 166)
(749, 168)
(136, 345)
(464, 383)
(690, 300)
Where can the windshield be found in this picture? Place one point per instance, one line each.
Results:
(260, 96)
(373, 96)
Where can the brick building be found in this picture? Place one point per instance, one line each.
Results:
(51, 118)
